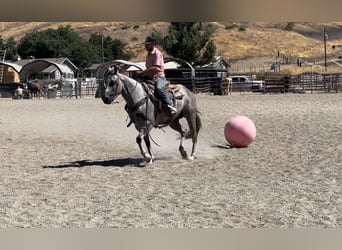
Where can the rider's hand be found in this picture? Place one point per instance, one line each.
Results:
(137, 75)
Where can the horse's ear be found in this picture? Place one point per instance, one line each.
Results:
(117, 68)
(111, 69)
(114, 69)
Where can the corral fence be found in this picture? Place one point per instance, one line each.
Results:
(303, 83)
(79, 89)
(209, 83)
(53, 89)
(204, 81)
(200, 84)
(273, 83)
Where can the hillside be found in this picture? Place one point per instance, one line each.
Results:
(234, 41)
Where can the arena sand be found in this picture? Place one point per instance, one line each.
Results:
(74, 163)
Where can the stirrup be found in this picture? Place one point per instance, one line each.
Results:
(172, 109)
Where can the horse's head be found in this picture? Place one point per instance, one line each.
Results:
(112, 85)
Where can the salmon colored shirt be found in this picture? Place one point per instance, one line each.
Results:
(155, 58)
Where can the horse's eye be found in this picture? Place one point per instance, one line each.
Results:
(112, 81)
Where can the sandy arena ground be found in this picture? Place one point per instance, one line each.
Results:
(73, 163)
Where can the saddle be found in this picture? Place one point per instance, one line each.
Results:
(172, 90)
(149, 86)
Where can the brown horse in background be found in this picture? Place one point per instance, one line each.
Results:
(36, 89)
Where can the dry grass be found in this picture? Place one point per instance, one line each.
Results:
(257, 40)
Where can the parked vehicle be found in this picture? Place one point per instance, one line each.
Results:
(246, 83)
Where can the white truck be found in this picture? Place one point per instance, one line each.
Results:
(247, 83)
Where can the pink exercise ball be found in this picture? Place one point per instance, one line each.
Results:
(240, 131)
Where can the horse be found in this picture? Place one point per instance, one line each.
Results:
(35, 89)
(19, 93)
(146, 112)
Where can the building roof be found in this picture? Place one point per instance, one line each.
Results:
(102, 69)
(14, 66)
(39, 65)
(58, 60)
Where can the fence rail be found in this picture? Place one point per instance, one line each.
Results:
(303, 83)
(274, 83)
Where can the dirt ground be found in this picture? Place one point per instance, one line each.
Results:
(74, 163)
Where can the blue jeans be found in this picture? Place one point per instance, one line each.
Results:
(161, 90)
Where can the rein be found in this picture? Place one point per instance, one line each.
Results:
(137, 105)
(141, 102)
(122, 89)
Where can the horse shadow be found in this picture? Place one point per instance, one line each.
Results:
(122, 162)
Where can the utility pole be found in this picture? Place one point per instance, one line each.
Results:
(325, 48)
(102, 50)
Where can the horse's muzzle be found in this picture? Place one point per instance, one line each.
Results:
(106, 100)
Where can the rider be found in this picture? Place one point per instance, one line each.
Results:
(155, 70)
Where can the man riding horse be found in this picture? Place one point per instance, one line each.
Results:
(155, 71)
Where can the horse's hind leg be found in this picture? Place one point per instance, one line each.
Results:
(178, 127)
(192, 122)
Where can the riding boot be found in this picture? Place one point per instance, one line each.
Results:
(161, 92)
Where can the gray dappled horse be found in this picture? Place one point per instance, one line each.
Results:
(146, 112)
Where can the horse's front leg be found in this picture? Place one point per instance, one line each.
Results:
(147, 156)
(193, 156)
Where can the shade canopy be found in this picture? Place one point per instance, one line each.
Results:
(103, 68)
(39, 65)
(14, 66)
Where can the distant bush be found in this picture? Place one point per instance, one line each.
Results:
(242, 28)
(289, 26)
(231, 26)
(135, 27)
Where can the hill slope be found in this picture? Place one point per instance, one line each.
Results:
(233, 41)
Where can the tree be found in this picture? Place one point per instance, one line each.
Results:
(49, 43)
(112, 48)
(190, 41)
(11, 48)
(64, 42)
(2, 43)
(10, 45)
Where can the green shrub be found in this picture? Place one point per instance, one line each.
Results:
(289, 26)
(231, 26)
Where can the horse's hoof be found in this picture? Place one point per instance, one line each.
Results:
(148, 158)
(141, 164)
(184, 155)
(191, 158)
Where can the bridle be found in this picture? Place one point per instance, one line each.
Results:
(113, 80)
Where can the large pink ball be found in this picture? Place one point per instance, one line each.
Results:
(240, 131)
